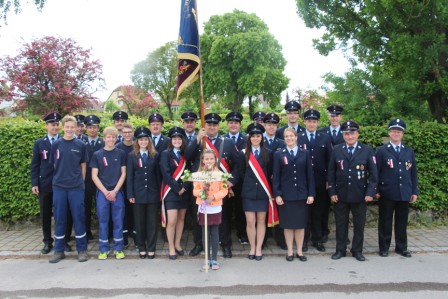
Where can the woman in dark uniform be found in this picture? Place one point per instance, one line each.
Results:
(293, 187)
(143, 190)
(174, 195)
(256, 190)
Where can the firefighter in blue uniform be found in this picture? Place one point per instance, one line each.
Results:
(272, 143)
(159, 140)
(42, 176)
(334, 131)
(227, 151)
(292, 114)
(397, 187)
(80, 132)
(320, 148)
(352, 182)
(189, 119)
(93, 143)
(119, 118)
(240, 140)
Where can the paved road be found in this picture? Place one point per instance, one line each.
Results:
(422, 276)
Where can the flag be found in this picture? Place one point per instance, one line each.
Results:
(188, 54)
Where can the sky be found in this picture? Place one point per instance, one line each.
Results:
(122, 33)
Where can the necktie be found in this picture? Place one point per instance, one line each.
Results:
(270, 141)
(92, 143)
(154, 139)
(292, 153)
(397, 149)
(189, 137)
(334, 133)
(178, 155)
(234, 139)
(212, 140)
(256, 154)
(144, 157)
(312, 138)
(120, 138)
(350, 151)
(52, 140)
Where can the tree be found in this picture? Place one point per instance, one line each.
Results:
(137, 101)
(403, 42)
(50, 74)
(6, 5)
(241, 59)
(157, 74)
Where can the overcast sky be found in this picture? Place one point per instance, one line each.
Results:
(122, 33)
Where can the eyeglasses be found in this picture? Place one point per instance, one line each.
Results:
(127, 132)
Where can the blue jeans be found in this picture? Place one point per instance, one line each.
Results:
(104, 208)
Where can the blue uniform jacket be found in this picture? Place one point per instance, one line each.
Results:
(230, 155)
(276, 144)
(99, 144)
(281, 131)
(41, 171)
(351, 179)
(329, 131)
(241, 142)
(162, 143)
(293, 177)
(168, 167)
(252, 188)
(320, 155)
(397, 173)
(143, 182)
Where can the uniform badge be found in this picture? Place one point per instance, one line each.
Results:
(408, 165)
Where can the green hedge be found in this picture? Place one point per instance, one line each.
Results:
(17, 136)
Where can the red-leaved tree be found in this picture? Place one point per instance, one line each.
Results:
(137, 101)
(50, 74)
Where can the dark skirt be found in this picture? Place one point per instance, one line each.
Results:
(212, 219)
(176, 205)
(255, 205)
(293, 214)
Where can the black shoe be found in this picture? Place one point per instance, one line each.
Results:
(384, 253)
(251, 256)
(319, 246)
(151, 257)
(302, 258)
(196, 250)
(142, 255)
(47, 248)
(226, 252)
(258, 257)
(289, 258)
(358, 256)
(180, 252)
(67, 247)
(172, 257)
(305, 247)
(325, 239)
(337, 255)
(244, 241)
(404, 253)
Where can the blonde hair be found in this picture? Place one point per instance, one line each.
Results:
(204, 152)
(128, 126)
(110, 131)
(68, 118)
(289, 129)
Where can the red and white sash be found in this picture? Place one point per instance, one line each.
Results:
(166, 188)
(258, 171)
(223, 164)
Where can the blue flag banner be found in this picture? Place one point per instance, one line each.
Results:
(188, 54)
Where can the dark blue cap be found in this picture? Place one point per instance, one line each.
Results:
(80, 118)
(120, 115)
(397, 124)
(189, 115)
(142, 132)
(255, 128)
(311, 114)
(177, 131)
(271, 118)
(234, 116)
(92, 120)
(52, 117)
(349, 126)
(212, 118)
(292, 106)
(335, 109)
(156, 117)
(259, 115)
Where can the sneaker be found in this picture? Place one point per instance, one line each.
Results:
(244, 241)
(215, 265)
(119, 255)
(82, 256)
(103, 255)
(57, 257)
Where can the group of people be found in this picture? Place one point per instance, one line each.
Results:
(135, 178)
